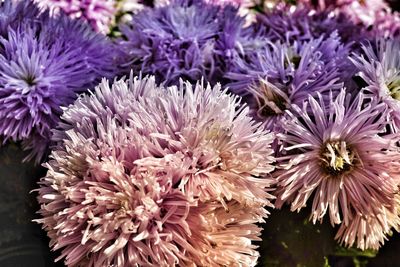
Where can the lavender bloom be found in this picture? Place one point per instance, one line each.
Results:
(146, 175)
(244, 6)
(174, 41)
(42, 67)
(98, 13)
(337, 156)
(379, 67)
(12, 13)
(288, 23)
(371, 13)
(280, 75)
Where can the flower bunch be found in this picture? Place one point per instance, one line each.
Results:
(221, 117)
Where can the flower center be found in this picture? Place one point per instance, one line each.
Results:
(292, 59)
(271, 101)
(394, 89)
(337, 158)
(30, 80)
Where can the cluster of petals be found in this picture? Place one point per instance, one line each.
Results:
(154, 176)
(339, 157)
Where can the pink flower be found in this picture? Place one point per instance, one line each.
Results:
(338, 157)
(149, 175)
(98, 13)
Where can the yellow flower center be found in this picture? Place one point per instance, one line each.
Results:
(337, 157)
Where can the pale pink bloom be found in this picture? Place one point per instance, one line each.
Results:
(152, 176)
(370, 231)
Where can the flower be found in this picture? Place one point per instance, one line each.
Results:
(290, 23)
(340, 157)
(147, 175)
(243, 5)
(12, 13)
(379, 68)
(98, 13)
(370, 13)
(280, 75)
(43, 65)
(370, 231)
(174, 41)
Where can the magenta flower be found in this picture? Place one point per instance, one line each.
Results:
(337, 157)
(145, 175)
(98, 13)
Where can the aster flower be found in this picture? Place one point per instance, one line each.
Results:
(174, 41)
(42, 67)
(370, 13)
(147, 175)
(290, 23)
(243, 5)
(280, 75)
(12, 13)
(370, 231)
(379, 68)
(339, 157)
(98, 13)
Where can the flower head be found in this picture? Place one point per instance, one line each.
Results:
(149, 175)
(12, 13)
(42, 67)
(280, 75)
(289, 23)
(339, 157)
(370, 231)
(174, 41)
(98, 13)
(375, 14)
(379, 68)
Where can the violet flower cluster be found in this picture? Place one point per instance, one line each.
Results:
(177, 168)
(176, 41)
(44, 63)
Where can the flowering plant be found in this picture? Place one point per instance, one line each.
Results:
(171, 133)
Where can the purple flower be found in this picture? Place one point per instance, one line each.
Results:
(289, 23)
(146, 175)
(274, 78)
(340, 158)
(375, 14)
(43, 65)
(98, 13)
(175, 41)
(12, 13)
(379, 68)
